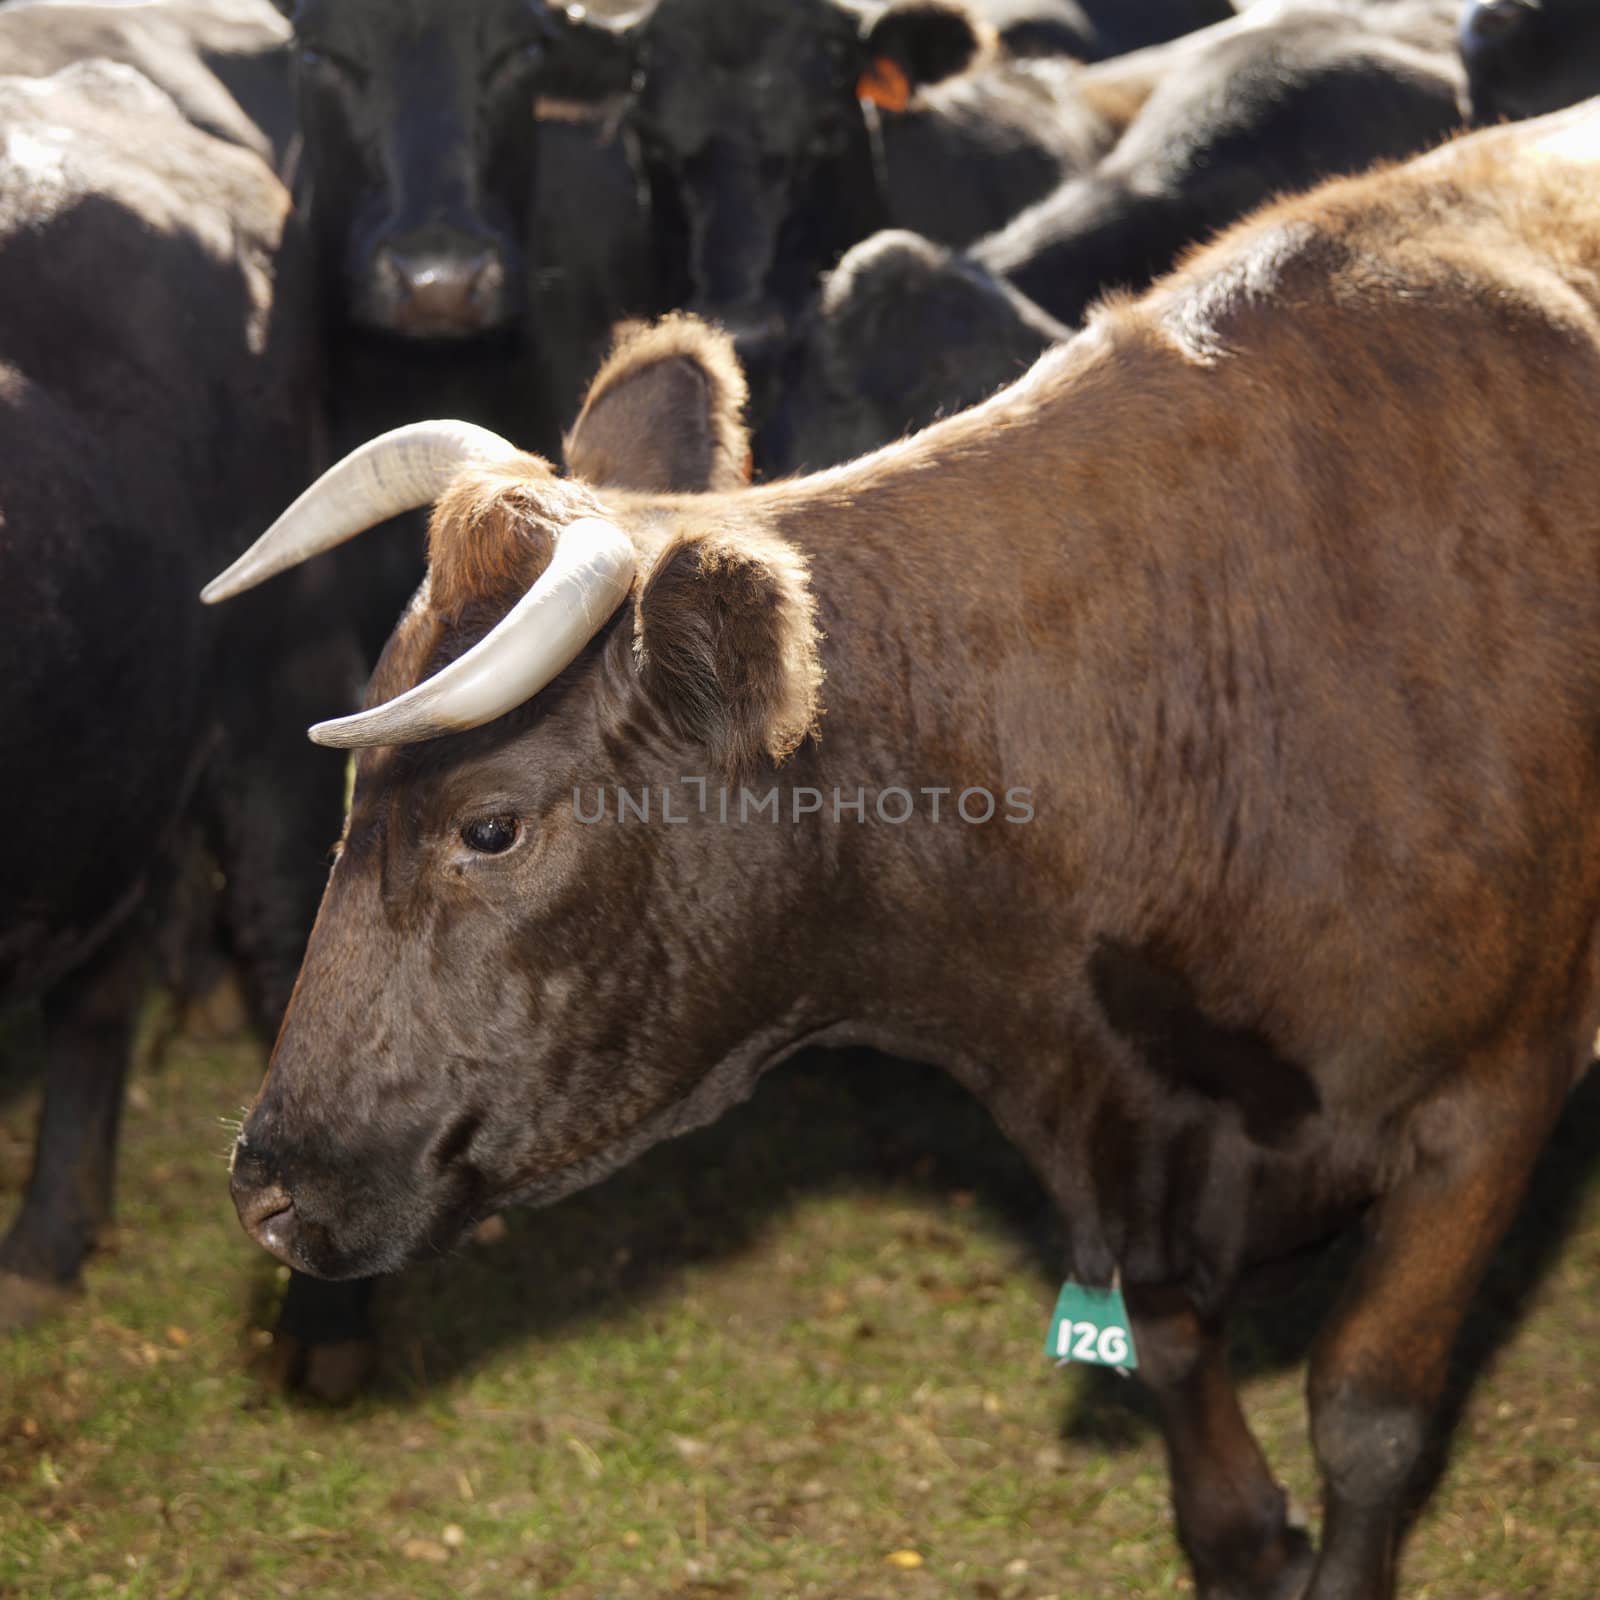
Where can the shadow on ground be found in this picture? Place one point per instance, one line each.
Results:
(854, 1122)
(828, 1123)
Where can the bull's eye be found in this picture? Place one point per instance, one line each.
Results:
(491, 836)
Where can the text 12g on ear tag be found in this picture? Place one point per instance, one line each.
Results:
(1091, 1325)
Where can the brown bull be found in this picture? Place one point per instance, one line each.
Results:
(1267, 615)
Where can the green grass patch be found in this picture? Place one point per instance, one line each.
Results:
(796, 1355)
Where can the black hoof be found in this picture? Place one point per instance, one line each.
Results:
(26, 1301)
(324, 1346)
(333, 1374)
(1285, 1575)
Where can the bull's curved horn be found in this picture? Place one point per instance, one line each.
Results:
(590, 572)
(398, 471)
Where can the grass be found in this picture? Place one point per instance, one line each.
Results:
(796, 1355)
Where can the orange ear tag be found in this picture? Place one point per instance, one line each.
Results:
(885, 84)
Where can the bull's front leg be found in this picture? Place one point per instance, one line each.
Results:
(1232, 1515)
(1379, 1369)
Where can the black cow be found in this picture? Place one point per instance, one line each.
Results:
(225, 65)
(1256, 110)
(1095, 29)
(471, 257)
(1043, 28)
(973, 152)
(224, 62)
(1092, 30)
(1123, 25)
(423, 168)
(418, 159)
(765, 164)
(1525, 57)
(156, 390)
(903, 331)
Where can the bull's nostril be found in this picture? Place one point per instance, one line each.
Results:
(267, 1215)
(276, 1233)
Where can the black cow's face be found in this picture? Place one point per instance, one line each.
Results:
(419, 144)
(737, 108)
(1527, 57)
(750, 127)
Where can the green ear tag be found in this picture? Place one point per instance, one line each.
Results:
(1092, 1325)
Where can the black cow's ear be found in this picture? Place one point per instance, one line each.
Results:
(917, 42)
(665, 413)
(588, 58)
(726, 641)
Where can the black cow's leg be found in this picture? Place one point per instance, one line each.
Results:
(324, 1343)
(275, 806)
(1379, 1369)
(88, 1033)
(1232, 1515)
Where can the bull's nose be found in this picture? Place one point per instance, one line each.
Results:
(1486, 24)
(267, 1212)
(432, 294)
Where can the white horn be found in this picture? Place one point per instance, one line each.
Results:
(590, 572)
(398, 471)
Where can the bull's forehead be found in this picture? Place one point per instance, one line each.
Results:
(492, 535)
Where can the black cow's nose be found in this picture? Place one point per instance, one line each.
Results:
(1485, 24)
(265, 1207)
(434, 293)
(268, 1217)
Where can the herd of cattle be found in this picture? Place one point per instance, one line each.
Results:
(1276, 586)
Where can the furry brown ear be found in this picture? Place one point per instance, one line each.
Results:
(726, 639)
(665, 413)
(918, 42)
